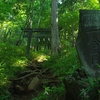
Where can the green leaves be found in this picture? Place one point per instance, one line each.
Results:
(63, 64)
(91, 81)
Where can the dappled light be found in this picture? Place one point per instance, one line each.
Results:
(38, 55)
(41, 58)
(20, 62)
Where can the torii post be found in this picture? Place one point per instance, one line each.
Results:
(29, 37)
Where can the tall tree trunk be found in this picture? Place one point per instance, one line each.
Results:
(55, 43)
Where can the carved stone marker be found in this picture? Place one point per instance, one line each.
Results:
(88, 41)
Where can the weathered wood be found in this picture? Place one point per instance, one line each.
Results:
(30, 32)
(36, 29)
(29, 42)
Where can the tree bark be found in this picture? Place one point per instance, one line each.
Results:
(55, 43)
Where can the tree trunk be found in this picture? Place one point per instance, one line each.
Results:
(55, 43)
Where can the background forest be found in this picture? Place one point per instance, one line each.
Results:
(14, 16)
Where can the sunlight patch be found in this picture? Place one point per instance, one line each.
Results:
(20, 63)
(41, 58)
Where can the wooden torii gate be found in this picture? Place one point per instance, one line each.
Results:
(29, 32)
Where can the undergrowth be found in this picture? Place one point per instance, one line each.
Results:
(13, 59)
(61, 65)
(52, 93)
(64, 63)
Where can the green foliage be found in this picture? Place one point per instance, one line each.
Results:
(13, 17)
(92, 86)
(12, 60)
(54, 93)
(4, 94)
(10, 54)
(63, 64)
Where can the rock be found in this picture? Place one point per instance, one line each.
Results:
(79, 88)
(34, 84)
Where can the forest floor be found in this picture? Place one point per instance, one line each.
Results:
(28, 84)
(37, 79)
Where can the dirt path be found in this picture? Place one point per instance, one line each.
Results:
(29, 84)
